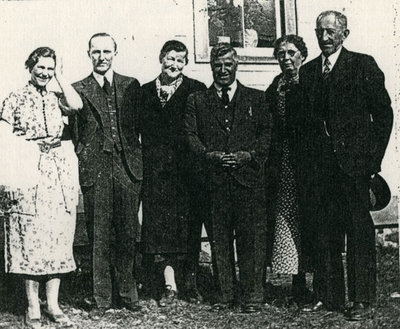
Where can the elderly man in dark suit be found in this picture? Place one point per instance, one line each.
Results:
(229, 129)
(348, 120)
(110, 173)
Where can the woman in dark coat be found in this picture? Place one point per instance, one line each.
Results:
(284, 95)
(167, 169)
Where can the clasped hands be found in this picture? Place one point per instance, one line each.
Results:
(229, 160)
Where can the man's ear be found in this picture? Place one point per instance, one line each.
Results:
(346, 33)
(88, 53)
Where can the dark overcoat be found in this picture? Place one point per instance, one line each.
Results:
(168, 169)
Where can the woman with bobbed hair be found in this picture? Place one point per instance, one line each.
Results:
(39, 175)
(168, 180)
(284, 95)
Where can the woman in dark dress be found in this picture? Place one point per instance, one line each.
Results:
(167, 169)
(281, 179)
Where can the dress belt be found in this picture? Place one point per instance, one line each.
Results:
(45, 147)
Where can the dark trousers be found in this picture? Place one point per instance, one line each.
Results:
(342, 208)
(239, 210)
(111, 208)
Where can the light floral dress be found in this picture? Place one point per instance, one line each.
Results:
(39, 232)
(286, 244)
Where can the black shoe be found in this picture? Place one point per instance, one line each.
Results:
(193, 296)
(312, 308)
(250, 308)
(133, 307)
(97, 313)
(357, 312)
(168, 297)
(220, 306)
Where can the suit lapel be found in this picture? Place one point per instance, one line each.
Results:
(340, 72)
(94, 93)
(120, 87)
(316, 79)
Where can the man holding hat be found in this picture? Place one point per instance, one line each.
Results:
(347, 124)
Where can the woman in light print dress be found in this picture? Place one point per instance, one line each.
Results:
(39, 173)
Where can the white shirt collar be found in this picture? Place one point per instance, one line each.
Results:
(100, 78)
(332, 58)
(231, 91)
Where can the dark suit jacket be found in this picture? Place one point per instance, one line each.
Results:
(169, 171)
(164, 144)
(251, 132)
(88, 127)
(359, 116)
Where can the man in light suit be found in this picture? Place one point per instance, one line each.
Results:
(347, 124)
(229, 130)
(110, 173)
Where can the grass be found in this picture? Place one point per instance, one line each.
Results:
(277, 313)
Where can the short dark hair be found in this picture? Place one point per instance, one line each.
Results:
(102, 34)
(222, 49)
(340, 17)
(291, 38)
(173, 45)
(36, 54)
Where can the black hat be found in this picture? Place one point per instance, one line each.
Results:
(379, 193)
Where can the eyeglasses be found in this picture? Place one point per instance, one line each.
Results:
(282, 54)
(320, 32)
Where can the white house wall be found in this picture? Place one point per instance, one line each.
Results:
(141, 27)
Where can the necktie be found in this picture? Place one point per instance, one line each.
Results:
(107, 86)
(225, 96)
(327, 69)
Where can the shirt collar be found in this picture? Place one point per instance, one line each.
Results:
(100, 78)
(332, 58)
(231, 91)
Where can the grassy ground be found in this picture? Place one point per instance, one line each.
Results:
(277, 313)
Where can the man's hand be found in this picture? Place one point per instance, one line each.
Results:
(215, 157)
(236, 160)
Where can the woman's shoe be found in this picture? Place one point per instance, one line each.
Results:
(220, 306)
(32, 323)
(61, 319)
(168, 296)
